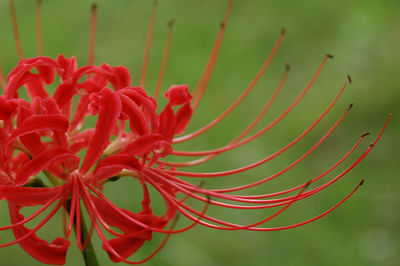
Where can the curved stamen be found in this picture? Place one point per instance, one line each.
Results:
(39, 27)
(91, 207)
(40, 225)
(271, 203)
(334, 166)
(74, 202)
(35, 214)
(148, 45)
(15, 29)
(269, 126)
(251, 199)
(239, 99)
(205, 77)
(242, 134)
(270, 157)
(232, 226)
(164, 59)
(92, 34)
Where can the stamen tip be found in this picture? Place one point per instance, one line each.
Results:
(287, 67)
(329, 56)
(202, 183)
(371, 145)
(223, 25)
(94, 7)
(350, 106)
(362, 182)
(171, 22)
(349, 78)
(365, 134)
(208, 197)
(155, 2)
(283, 31)
(308, 184)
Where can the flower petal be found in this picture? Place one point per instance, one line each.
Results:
(29, 196)
(142, 145)
(42, 161)
(183, 116)
(41, 250)
(109, 112)
(37, 123)
(113, 164)
(138, 122)
(178, 94)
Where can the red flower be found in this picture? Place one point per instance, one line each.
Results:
(46, 132)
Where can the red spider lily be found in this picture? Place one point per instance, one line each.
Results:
(46, 132)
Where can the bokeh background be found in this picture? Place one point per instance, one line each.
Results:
(364, 37)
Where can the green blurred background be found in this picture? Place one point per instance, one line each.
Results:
(364, 37)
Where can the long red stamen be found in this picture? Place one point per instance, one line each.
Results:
(78, 219)
(269, 126)
(15, 29)
(238, 170)
(110, 249)
(39, 27)
(242, 198)
(91, 207)
(334, 166)
(88, 237)
(40, 225)
(205, 77)
(243, 133)
(73, 207)
(92, 34)
(272, 203)
(164, 60)
(148, 45)
(239, 99)
(232, 226)
(269, 218)
(265, 108)
(107, 201)
(35, 214)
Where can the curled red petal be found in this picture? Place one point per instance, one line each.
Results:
(42, 161)
(183, 116)
(64, 93)
(138, 122)
(128, 244)
(142, 145)
(37, 123)
(46, 73)
(167, 123)
(42, 63)
(29, 196)
(178, 94)
(41, 250)
(118, 76)
(6, 108)
(109, 112)
(66, 67)
(113, 164)
(140, 97)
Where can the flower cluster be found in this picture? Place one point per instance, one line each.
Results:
(47, 131)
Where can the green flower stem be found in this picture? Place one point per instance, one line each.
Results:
(88, 253)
